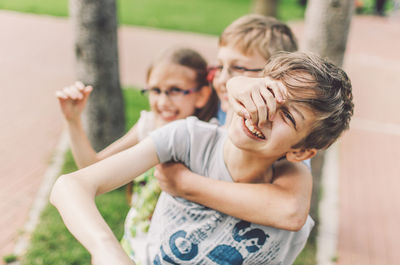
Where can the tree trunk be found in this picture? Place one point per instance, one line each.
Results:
(326, 29)
(96, 52)
(265, 7)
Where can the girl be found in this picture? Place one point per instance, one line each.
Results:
(177, 87)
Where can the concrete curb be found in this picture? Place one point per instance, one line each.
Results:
(42, 196)
(328, 209)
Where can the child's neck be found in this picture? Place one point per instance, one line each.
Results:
(247, 167)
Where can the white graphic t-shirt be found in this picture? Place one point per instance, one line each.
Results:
(183, 232)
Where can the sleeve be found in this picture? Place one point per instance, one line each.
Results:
(172, 142)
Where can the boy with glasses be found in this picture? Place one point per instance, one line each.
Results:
(244, 48)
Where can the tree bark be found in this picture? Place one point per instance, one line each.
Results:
(327, 24)
(96, 52)
(265, 7)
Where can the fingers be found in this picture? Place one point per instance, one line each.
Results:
(61, 95)
(260, 113)
(87, 90)
(256, 98)
(270, 104)
(84, 89)
(277, 88)
(78, 91)
(238, 107)
(79, 85)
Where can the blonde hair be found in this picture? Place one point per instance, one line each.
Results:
(257, 33)
(319, 85)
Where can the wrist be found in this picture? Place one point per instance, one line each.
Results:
(74, 122)
(187, 183)
(109, 245)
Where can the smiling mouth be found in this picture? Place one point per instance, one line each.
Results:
(253, 129)
(168, 115)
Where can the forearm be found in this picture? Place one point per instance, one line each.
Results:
(265, 204)
(81, 148)
(77, 207)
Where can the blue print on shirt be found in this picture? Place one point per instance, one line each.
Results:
(181, 247)
(255, 238)
(252, 239)
(166, 257)
(225, 255)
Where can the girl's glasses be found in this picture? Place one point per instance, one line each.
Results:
(172, 92)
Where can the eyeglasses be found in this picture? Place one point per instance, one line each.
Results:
(172, 92)
(234, 70)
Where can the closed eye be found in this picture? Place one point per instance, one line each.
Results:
(239, 68)
(218, 67)
(288, 116)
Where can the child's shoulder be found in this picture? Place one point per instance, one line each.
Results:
(199, 127)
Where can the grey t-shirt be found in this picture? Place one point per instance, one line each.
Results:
(183, 232)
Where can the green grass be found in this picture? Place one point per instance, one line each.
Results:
(203, 16)
(308, 255)
(369, 7)
(51, 242)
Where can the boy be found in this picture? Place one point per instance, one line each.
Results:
(317, 109)
(244, 48)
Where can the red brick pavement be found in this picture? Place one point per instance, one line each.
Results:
(30, 126)
(369, 209)
(36, 59)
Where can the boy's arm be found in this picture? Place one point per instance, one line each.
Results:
(282, 204)
(72, 101)
(74, 196)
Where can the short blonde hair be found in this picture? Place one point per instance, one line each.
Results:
(319, 85)
(257, 33)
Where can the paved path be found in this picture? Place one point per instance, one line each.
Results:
(36, 58)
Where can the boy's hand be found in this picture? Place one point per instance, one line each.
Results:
(73, 100)
(255, 98)
(170, 176)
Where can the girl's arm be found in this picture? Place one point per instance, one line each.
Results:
(74, 197)
(83, 152)
(283, 204)
(73, 100)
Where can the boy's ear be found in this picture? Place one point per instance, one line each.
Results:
(300, 154)
(203, 94)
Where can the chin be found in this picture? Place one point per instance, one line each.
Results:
(237, 138)
(169, 119)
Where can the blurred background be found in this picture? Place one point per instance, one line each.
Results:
(361, 205)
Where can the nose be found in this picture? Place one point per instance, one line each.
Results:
(163, 99)
(223, 77)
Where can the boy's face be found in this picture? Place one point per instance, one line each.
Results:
(292, 122)
(232, 62)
